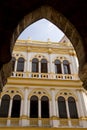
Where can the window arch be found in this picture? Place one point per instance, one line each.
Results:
(13, 63)
(62, 107)
(72, 108)
(66, 67)
(44, 107)
(57, 67)
(16, 106)
(34, 107)
(4, 108)
(20, 64)
(35, 65)
(44, 66)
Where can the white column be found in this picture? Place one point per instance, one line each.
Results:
(53, 103)
(62, 68)
(80, 104)
(10, 107)
(30, 66)
(57, 111)
(68, 115)
(15, 69)
(25, 66)
(39, 108)
(50, 108)
(54, 114)
(39, 112)
(9, 112)
(25, 122)
(21, 108)
(25, 102)
(28, 107)
(39, 69)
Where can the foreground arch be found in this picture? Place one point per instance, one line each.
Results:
(60, 21)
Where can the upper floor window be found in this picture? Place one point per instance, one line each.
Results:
(66, 67)
(72, 108)
(35, 65)
(16, 106)
(62, 107)
(20, 64)
(44, 66)
(4, 108)
(57, 67)
(13, 63)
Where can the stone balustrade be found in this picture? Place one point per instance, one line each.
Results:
(40, 122)
(45, 75)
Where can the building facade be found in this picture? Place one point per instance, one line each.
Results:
(44, 89)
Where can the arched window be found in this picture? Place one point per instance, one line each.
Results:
(66, 67)
(20, 64)
(72, 108)
(62, 107)
(34, 107)
(57, 67)
(44, 66)
(4, 108)
(16, 106)
(13, 63)
(44, 107)
(35, 65)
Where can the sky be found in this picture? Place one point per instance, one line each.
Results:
(42, 30)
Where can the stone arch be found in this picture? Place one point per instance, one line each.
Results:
(60, 21)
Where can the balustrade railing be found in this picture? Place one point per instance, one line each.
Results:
(40, 122)
(45, 75)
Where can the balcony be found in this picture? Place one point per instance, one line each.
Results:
(41, 122)
(45, 76)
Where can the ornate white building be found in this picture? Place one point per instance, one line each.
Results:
(44, 89)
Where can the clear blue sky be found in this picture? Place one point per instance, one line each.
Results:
(42, 30)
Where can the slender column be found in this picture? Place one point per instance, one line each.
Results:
(50, 108)
(30, 66)
(68, 115)
(53, 103)
(62, 68)
(25, 64)
(57, 111)
(21, 108)
(39, 108)
(28, 107)
(25, 105)
(9, 112)
(25, 102)
(39, 69)
(15, 68)
(10, 107)
(80, 104)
